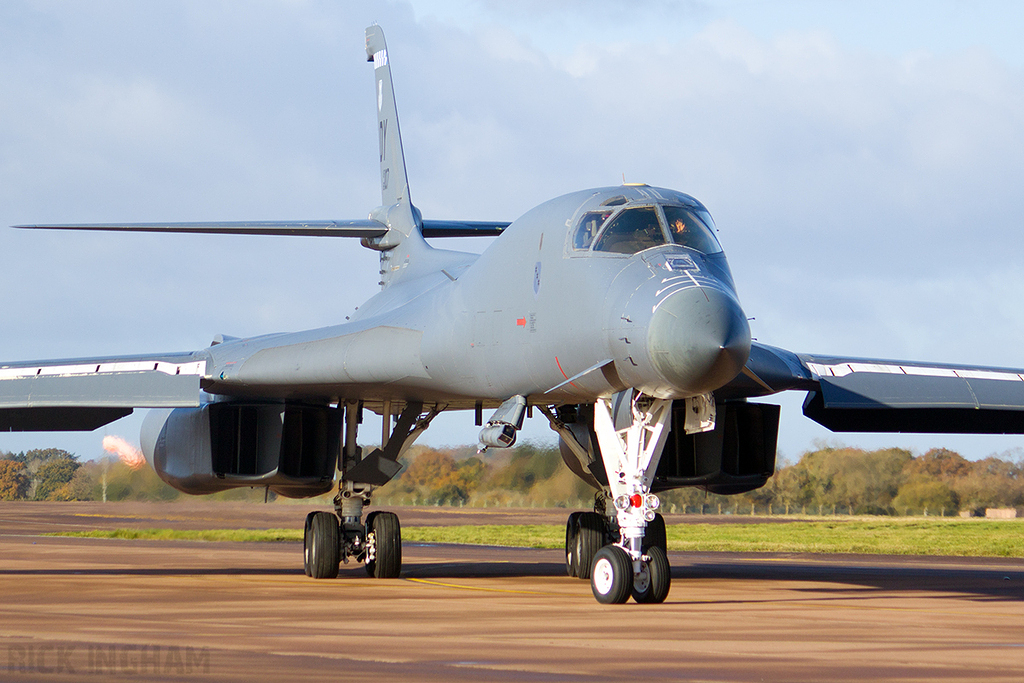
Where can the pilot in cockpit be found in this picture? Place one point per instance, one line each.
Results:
(679, 231)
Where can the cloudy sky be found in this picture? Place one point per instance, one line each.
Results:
(864, 162)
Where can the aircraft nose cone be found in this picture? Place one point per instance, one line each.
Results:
(699, 339)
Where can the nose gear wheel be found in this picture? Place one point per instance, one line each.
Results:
(611, 575)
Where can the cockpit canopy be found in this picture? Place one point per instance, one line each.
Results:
(634, 227)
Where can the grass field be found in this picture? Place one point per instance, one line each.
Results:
(886, 536)
(258, 535)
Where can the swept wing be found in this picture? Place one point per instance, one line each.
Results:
(86, 393)
(347, 228)
(881, 395)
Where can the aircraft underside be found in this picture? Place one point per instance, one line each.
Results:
(628, 447)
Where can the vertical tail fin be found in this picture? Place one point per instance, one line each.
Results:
(404, 254)
(396, 208)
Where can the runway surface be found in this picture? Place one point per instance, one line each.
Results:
(74, 609)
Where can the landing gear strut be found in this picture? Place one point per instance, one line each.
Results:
(331, 538)
(631, 431)
(621, 547)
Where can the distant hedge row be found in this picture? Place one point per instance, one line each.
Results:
(827, 480)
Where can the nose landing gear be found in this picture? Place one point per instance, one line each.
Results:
(631, 430)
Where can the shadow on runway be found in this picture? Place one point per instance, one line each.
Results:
(886, 576)
(155, 571)
(483, 570)
(979, 578)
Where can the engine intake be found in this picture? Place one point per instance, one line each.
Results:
(289, 447)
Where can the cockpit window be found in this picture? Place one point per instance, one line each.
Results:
(706, 217)
(689, 231)
(588, 227)
(631, 231)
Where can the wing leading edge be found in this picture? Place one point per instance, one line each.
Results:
(352, 228)
(874, 395)
(355, 228)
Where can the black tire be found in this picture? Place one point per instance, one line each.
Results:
(611, 575)
(306, 549)
(571, 529)
(324, 553)
(387, 545)
(589, 539)
(370, 565)
(652, 587)
(655, 535)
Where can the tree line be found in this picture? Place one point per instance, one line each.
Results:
(41, 474)
(894, 481)
(55, 474)
(826, 480)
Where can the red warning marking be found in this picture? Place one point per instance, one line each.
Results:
(521, 322)
(563, 372)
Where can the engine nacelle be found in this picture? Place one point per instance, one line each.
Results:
(290, 448)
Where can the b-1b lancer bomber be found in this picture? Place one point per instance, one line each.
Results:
(611, 312)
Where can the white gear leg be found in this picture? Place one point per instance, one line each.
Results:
(632, 429)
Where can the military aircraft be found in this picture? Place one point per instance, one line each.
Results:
(612, 312)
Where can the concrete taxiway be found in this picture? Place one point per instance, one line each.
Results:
(74, 608)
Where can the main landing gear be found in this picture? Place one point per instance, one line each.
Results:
(331, 538)
(377, 543)
(621, 546)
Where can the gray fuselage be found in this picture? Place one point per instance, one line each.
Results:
(539, 307)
